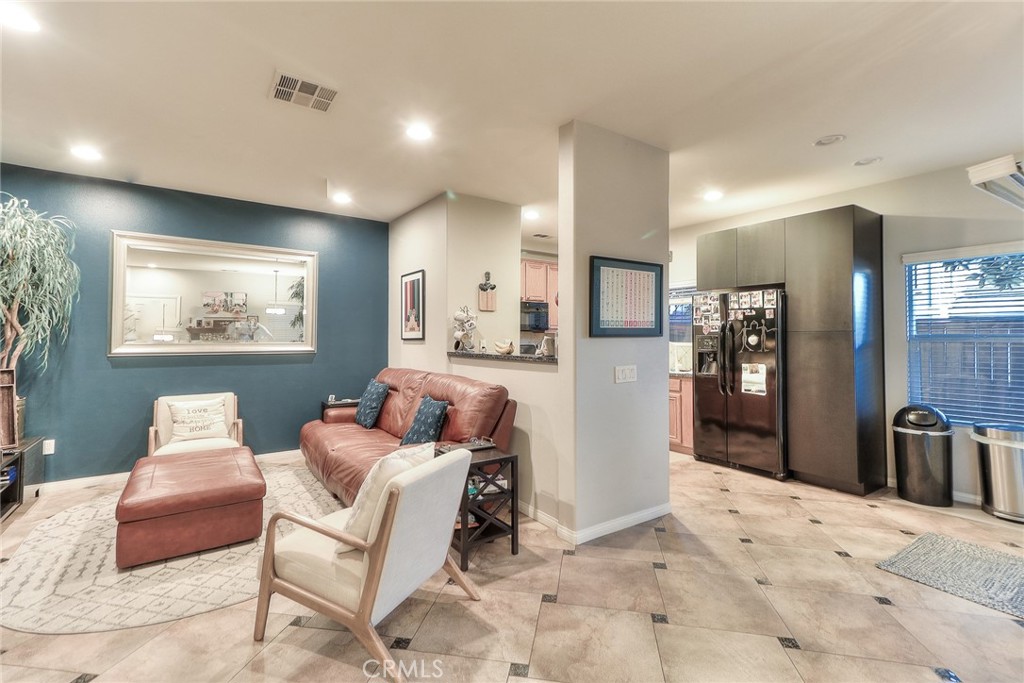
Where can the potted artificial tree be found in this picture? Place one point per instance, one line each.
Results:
(38, 284)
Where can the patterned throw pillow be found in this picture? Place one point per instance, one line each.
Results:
(371, 403)
(197, 420)
(364, 507)
(426, 426)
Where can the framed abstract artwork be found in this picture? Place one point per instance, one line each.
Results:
(412, 298)
(625, 298)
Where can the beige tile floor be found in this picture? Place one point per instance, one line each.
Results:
(736, 584)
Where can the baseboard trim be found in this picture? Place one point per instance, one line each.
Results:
(65, 485)
(620, 523)
(79, 483)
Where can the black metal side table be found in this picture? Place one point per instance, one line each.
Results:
(493, 497)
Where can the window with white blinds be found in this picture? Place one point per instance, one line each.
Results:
(965, 328)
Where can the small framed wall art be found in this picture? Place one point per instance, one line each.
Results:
(625, 298)
(412, 298)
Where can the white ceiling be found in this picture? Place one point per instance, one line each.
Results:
(176, 96)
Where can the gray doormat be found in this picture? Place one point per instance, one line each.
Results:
(976, 573)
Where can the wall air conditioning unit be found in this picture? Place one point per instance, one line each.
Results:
(1003, 178)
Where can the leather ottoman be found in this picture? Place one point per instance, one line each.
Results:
(178, 504)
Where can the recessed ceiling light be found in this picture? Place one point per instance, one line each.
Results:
(419, 131)
(341, 198)
(531, 214)
(867, 161)
(12, 15)
(713, 195)
(827, 140)
(87, 152)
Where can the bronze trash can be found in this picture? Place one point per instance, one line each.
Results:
(1001, 461)
(923, 440)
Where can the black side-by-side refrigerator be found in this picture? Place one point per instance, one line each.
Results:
(738, 379)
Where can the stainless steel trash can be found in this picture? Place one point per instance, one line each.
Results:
(1001, 460)
(923, 441)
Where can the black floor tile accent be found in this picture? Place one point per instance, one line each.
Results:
(401, 643)
(843, 553)
(84, 678)
(726, 490)
(946, 675)
(763, 582)
(660, 529)
(908, 533)
(745, 540)
(735, 512)
(1009, 543)
(450, 582)
(659, 618)
(872, 505)
(882, 600)
(789, 643)
(568, 552)
(4, 559)
(796, 497)
(549, 597)
(660, 565)
(297, 621)
(815, 521)
(519, 670)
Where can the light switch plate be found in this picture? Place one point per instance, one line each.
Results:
(625, 373)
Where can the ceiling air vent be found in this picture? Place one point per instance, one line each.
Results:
(303, 93)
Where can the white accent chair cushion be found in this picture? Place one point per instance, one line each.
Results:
(370, 495)
(308, 559)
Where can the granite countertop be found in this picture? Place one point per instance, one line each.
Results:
(515, 358)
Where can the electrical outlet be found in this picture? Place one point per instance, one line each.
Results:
(49, 446)
(625, 373)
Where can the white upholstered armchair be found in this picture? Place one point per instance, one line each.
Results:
(195, 422)
(407, 543)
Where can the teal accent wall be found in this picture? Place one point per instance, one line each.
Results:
(99, 409)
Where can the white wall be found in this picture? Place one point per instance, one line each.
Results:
(613, 201)
(484, 235)
(928, 212)
(418, 241)
(442, 233)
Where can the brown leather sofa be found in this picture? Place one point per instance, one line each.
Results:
(340, 452)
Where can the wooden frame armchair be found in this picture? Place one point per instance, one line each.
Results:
(408, 542)
(161, 433)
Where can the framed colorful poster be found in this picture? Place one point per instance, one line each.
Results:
(625, 298)
(412, 298)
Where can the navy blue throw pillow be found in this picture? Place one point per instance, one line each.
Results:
(426, 426)
(371, 403)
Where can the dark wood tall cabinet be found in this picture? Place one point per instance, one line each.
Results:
(831, 265)
(835, 377)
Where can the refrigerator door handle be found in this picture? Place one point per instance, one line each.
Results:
(730, 352)
(721, 359)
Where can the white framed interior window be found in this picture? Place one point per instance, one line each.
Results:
(965, 332)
